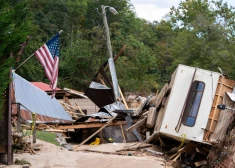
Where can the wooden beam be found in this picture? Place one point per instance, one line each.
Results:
(66, 104)
(119, 53)
(155, 134)
(123, 98)
(89, 125)
(18, 117)
(216, 104)
(95, 133)
(79, 109)
(134, 147)
(123, 135)
(138, 124)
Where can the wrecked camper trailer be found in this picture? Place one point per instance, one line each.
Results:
(187, 105)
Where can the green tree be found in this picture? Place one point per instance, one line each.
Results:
(13, 31)
(205, 35)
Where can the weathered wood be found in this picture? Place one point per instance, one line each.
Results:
(138, 124)
(134, 147)
(153, 152)
(216, 104)
(34, 133)
(123, 98)
(94, 133)
(200, 163)
(201, 151)
(89, 125)
(177, 154)
(119, 53)
(18, 117)
(123, 135)
(161, 95)
(80, 110)
(151, 119)
(162, 144)
(54, 130)
(224, 85)
(155, 134)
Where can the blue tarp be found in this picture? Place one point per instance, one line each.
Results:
(37, 100)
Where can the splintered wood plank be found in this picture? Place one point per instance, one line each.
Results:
(138, 124)
(214, 110)
(89, 125)
(106, 124)
(219, 99)
(224, 85)
(123, 135)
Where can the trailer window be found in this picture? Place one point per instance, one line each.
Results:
(193, 103)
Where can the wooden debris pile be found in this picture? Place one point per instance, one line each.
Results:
(74, 111)
(22, 142)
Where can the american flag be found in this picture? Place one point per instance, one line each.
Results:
(48, 55)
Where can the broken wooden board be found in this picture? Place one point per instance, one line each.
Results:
(111, 148)
(89, 125)
(138, 124)
(106, 124)
(135, 146)
(151, 117)
(224, 85)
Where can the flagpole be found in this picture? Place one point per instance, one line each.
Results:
(24, 61)
(30, 57)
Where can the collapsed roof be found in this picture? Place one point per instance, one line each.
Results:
(35, 100)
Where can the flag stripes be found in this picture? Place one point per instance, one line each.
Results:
(48, 55)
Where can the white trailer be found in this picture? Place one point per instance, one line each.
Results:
(187, 104)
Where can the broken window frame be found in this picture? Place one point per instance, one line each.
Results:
(193, 103)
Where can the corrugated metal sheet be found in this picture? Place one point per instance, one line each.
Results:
(43, 86)
(37, 101)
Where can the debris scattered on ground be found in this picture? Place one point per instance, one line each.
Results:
(22, 162)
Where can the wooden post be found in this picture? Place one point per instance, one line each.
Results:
(34, 127)
(123, 135)
(18, 117)
(34, 133)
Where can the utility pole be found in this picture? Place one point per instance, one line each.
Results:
(110, 52)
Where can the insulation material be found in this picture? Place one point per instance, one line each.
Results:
(35, 100)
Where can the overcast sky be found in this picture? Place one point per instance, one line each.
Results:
(155, 9)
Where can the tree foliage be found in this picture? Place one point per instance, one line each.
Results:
(13, 31)
(196, 33)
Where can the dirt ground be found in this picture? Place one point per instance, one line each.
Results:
(51, 156)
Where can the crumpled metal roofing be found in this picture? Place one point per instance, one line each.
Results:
(36, 100)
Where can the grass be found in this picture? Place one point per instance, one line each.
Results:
(47, 137)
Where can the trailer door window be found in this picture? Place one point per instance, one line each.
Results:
(193, 103)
